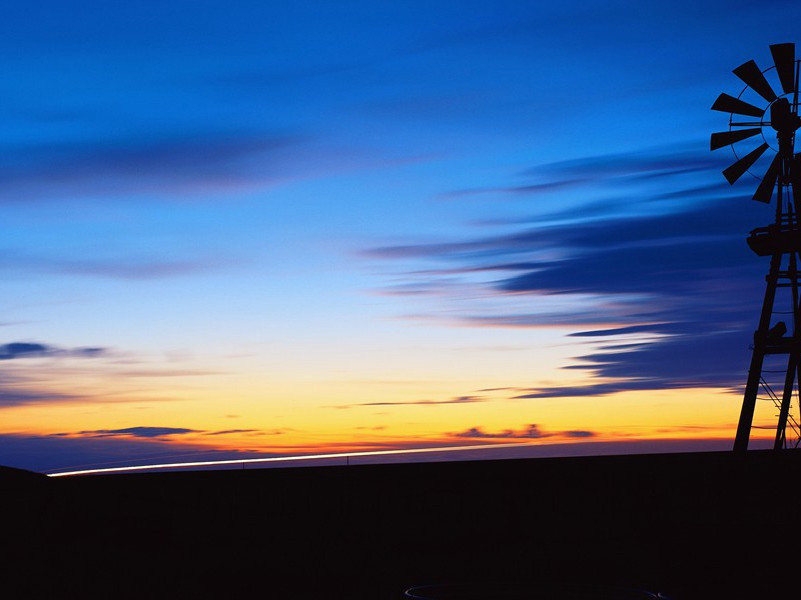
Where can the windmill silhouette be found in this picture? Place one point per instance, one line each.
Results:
(767, 147)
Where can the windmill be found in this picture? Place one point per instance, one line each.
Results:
(761, 134)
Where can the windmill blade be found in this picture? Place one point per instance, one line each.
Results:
(735, 171)
(765, 189)
(752, 77)
(730, 104)
(784, 59)
(724, 138)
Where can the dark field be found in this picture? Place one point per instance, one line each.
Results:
(693, 526)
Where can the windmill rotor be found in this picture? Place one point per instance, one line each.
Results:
(759, 115)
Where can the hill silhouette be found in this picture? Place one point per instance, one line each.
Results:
(701, 525)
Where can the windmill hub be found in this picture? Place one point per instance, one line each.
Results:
(783, 119)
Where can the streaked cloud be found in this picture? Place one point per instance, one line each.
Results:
(139, 432)
(247, 431)
(528, 432)
(19, 396)
(456, 400)
(168, 166)
(125, 268)
(664, 285)
(579, 433)
(604, 170)
(531, 431)
(165, 432)
(16, 350)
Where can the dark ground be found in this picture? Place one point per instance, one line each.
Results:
(704, 525)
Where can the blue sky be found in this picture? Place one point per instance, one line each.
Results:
(222, 196)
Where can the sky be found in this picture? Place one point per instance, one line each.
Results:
(260, 229)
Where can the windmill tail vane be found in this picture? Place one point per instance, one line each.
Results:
(763, 120)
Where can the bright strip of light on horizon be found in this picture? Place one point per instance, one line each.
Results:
(210, 463)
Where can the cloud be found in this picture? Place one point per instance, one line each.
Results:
(169, 166)
(650, 327)
(22, 350)
(124, 268)
(531, 431)
(30, 386)
(663, 288)
(579, 433)
(18, 397)
(37, 373)
(22, 385)
(161, 372)
(165, 432)
(456, 400)
(178, 167)
(64, 452)
(648, 163)
(251, 431)
(139, 432)
(527, 189)
(593, 389)
(17, 350)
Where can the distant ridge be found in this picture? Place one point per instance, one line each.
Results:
(13, 475)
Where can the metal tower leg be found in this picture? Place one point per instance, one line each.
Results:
(787, 396)
(757, 358)
(793, 364)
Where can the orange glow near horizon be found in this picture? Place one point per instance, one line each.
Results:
(347, 423)
(465, 389)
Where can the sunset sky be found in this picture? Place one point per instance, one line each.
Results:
(232, 228)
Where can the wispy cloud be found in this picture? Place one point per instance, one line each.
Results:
(663, 284)
(177, 167)
(130, 268)
(247, 431)
(531, 431)
(124, 373)
(138, 432)
(16, 350)
(169, 166)
(164, 433)
(649, 163)
(456, 400)
(524, 189)
(579, 433)
(11, 396)
(36, 373)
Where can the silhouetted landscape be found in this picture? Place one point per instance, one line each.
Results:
(251, 233)
(692, 526)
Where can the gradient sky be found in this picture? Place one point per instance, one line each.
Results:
(250, 227)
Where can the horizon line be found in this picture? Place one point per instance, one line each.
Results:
(299, 457)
